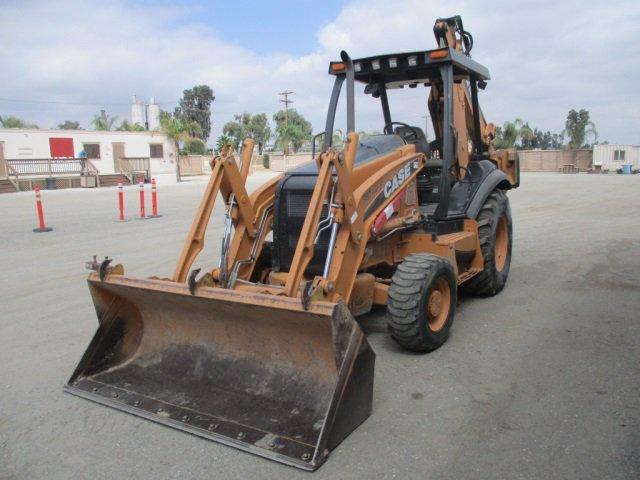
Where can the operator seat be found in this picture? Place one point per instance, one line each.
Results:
(409, 134)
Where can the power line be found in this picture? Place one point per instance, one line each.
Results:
(92, 104)
(103, 104)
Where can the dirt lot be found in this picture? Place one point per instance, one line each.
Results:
(542, 381)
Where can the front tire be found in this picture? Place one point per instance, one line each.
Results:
(422, 302)
(496, 235)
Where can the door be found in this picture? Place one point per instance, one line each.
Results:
(118, 154)
(3, 166)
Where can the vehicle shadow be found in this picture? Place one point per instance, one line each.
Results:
(375, 321)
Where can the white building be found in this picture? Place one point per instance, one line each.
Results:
(612, 157)
(104, 149)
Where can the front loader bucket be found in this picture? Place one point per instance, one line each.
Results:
(253, 371)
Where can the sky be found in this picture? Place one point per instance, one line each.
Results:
(66, 60)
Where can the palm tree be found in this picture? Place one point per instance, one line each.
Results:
(174, 129)
(125, 126)
(177, 131)
(511, 132)
(103, 121)
(222, 141)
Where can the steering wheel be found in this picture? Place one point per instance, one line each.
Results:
(411, 137)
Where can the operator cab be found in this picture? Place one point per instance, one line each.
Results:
(411, 70)
(437, 69)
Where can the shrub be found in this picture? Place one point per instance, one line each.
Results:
(195, 146)
(265, 160)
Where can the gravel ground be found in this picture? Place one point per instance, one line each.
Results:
(541, 381)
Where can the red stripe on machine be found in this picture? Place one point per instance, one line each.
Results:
(388, 211)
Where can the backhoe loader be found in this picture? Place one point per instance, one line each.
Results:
(262, 351)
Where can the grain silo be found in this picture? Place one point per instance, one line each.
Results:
(137, 111)
(153, 114)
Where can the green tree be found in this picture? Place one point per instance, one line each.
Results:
(15, 122)
(69, 125)
(532, 141)
(237, 129)
(260, 130)
(294, 132)
(195, 109)
(246, 125)
(103, 121)
(527, 136)
(221, 142)
(550, 140)
(195, 146)
(508, 135)
(578, 126)
(126, 126)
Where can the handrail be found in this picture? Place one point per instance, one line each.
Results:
(14, 172)
(90, 168)
(50, 167)
(131, 166)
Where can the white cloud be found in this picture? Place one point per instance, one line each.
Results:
(545, 58)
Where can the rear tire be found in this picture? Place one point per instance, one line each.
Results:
(422, 302)
(495, 232)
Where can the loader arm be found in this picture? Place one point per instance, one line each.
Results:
(227, 178)
(391, 174)
(346, 210)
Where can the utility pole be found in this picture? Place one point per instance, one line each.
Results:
(286, 102)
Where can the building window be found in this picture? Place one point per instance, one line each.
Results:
(155, 150)
(92, 150)
(618, 155)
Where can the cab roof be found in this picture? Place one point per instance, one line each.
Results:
(413, 68)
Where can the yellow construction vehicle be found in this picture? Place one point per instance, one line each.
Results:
(263, 352)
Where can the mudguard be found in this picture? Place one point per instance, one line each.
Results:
(482, 178)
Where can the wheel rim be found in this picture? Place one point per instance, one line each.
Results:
(501, 245)
(438, 304)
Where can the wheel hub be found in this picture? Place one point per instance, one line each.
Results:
(435, 303)
(501, 245)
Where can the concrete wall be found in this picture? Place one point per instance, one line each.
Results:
(31, 143)
(553, 160)
(201, 164)
(194, 164)
(604, 155)
(282, 163)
